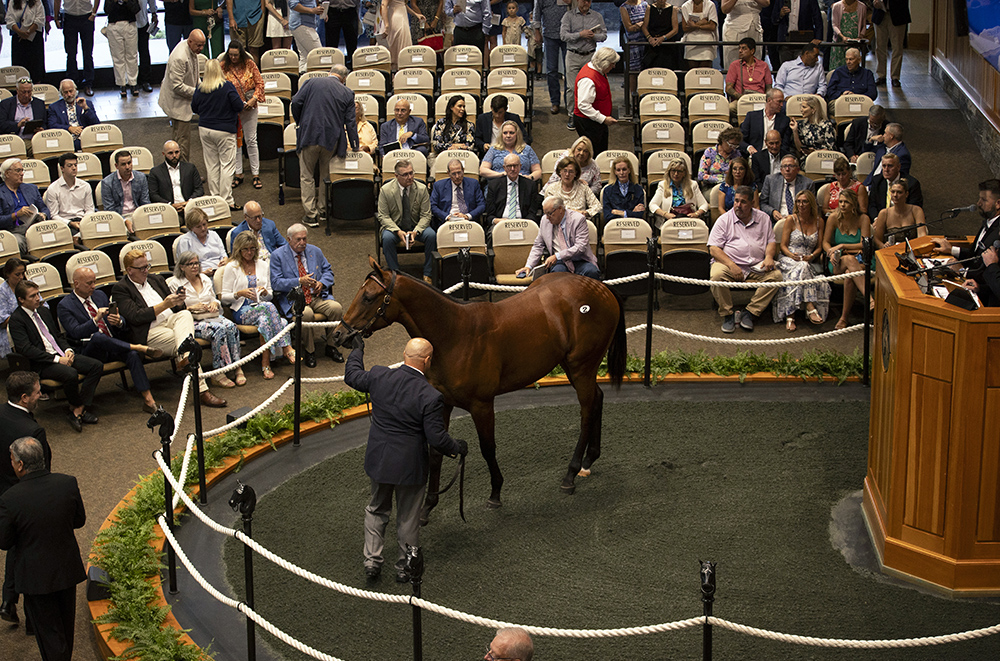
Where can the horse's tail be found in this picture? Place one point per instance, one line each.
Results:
(618, 351)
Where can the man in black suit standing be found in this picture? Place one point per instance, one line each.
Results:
(878, 190)
(16, 111)
(862, 133)
(37, 518)
(771, 117)
(174, 181)
(16, 421)
(35, 336)
(487, 131)
(526, 203)
(407, 416)
(767, 161)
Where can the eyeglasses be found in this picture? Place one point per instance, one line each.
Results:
(24, 80)
(789, 166)
(491, 657)
(734, 145)
(142, 269)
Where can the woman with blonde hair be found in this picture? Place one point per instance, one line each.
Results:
(677, 195)
(624, 197)
(582, 152)
(246, 289)
(842, 242)
(575, 194)
(812, 132)
(511, 142)
(218, 106)
(901, 214)
(801, 246)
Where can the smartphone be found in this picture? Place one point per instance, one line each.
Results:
(182, 291)
(113, 308)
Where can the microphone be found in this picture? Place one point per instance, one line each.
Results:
(952, 213)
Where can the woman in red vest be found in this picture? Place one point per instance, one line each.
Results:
(592, 114)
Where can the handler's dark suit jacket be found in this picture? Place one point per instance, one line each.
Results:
(162, 191)
(133, 308)
(15, 424)
(38, 515)
(407, 415)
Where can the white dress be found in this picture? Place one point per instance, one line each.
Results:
(708, 12)
(742, 21)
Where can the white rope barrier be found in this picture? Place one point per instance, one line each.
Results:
(855, 643)
(755, 285)
(725, 340)
(181, 405)
(184, 467)
(243, 418)
(246, 359)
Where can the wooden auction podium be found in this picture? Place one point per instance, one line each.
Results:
(932, 491)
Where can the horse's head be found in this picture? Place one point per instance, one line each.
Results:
(371, 309)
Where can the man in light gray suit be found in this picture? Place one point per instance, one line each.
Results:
(179, 82)
(322, 108)
(404, 212)
(777, 195)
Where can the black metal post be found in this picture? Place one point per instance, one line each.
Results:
(651, 265)
(707, 599)
(867, 252)
(465, 260)
(415, 570)
(166, 422)
(298, 298)
(191, 346)
(244, 500)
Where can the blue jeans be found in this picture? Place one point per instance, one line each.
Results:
(555, 54)
(174, 35)
(582, 267)
(390, 239)
(82, 27)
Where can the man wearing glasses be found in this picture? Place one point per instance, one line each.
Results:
(511, 196)
(779, 190)
(510, 644)
(404, 212)
(16, 111)
(20, 204)
(155, 317)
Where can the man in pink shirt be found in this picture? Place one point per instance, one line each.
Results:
(747, 75)
(743, 249)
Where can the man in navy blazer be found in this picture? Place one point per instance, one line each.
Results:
(447, 205)
(754, 127)
(86, 316)
(83, 114)
(8, 111)
(263, 228)
(864, 133)
(767, 161)
(529, 202)
(407, 416)
(15, 198)
(483, 134)
(113, 193)
(892, 143)
(409, 132)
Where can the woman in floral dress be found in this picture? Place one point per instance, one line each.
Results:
(801, 248)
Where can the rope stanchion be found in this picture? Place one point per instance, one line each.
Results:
(184, 466)
(246, 359)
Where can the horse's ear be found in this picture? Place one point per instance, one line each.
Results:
(373, 263)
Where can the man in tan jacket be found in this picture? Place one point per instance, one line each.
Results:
(179, 83)
(404, 212)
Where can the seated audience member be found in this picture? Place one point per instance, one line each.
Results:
(246, 289)
(18, 110)
(582, 152)
(367, 136)
(576, 195)
(767, 161)
(739, 174)
(624, 197)
(174, 181)
(900, 215)
(879, 195)
(743, 254)
(511, 196)
(154, 316)
(264, 229)
(852, 78)
(758, 123)
(454, 130)
(843, 179)
(715, 161)
(677, 196)
(87, 318)
(36, 336)
(201, 241)
(209, 324)
(564, 234)
(777, 194)
(16, 200)
(299, 263)
(13, 273)
(801, 245)
(403, 131)
(511, 142)
(842, 243)
(404, 213)
(803, 75)
(747, 75)
(805, 24)
(891, 143)
(69, 199)
(812, 132)
(864, 133)
(72, 113)
(457, 197)
(488, 124)
(123, 191)
(512, 643)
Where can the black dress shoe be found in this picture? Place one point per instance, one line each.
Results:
(75, 422)
(372, 572)
(881, 81)
(146, 87)
(88, 418)
(309, 359)
(402, 576)
(335, 354)
(88, 90)
(8, 612)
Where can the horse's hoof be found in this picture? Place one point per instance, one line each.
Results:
(492, 504)
(568, 489)
(584, 472)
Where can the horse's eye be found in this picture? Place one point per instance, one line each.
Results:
(367, 299)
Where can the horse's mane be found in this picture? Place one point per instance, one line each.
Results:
(420, 282)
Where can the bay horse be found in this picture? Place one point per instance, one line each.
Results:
(482, 350)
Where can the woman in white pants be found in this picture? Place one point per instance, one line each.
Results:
(240, 70)
(742, 20)
(123, 42)
(218, 106)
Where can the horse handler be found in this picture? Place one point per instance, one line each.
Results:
(407, 415)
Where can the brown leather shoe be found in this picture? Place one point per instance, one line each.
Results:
(208, 399)
(181, 363)
(555, 109)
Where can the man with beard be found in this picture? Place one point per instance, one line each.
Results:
(174, 181)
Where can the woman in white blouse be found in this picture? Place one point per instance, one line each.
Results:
(209, 324)
(677, 195)
(246, 289)
(575, 194)
(200, 240)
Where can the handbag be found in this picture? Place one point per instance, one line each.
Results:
(685, 209)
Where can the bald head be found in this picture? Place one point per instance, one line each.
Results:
(171, 153)
(196, 41)
(772, 140)
(418, 353)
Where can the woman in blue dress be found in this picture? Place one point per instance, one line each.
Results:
(739, 174)
(13, 273)
(511, 142)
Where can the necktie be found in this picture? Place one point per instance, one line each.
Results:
(458, 199)
(788, 198)
(888, 198)
(303, 272)
(48, 334)
(406, 223)
(99, 320)
(400, 132)
(512, 200)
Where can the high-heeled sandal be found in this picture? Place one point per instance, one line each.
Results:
(241, 379)
(290, 356)
(257, 183)
(268, 374)
(237, 181)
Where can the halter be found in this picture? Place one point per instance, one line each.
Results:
(380, 313)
